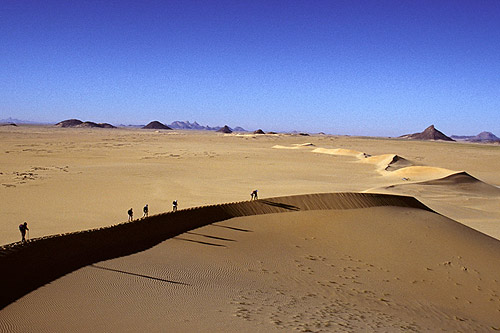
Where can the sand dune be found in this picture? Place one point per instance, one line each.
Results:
(457, 182)
(392, 166)
(462, 181)
(295, 146)
(377, 269)
(459, 196)
(340, 151)
(341, 262)
(387, 162)
(45, 259)
(285, 147)
(419, 173)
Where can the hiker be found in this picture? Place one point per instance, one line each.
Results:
(130, 215)
(174, 205)
(23, 227)
(146, 211)
(253, 195)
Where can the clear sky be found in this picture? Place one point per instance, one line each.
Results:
(343, 67)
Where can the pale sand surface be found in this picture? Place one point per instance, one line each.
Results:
(401, 269)
(62, 180)
(273, 277)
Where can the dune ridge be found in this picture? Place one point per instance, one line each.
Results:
(341, 152)
(457, 181)
(295, 146)
(45, 259)
(391, 165)
(388, 162)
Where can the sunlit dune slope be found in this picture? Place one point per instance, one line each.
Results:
(42, 260)
(379, 269)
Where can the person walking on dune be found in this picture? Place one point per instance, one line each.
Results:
(146, 211)
(130, 215)
(174, 205)
(253, 195)
(22, 228)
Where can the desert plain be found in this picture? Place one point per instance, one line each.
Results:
(362, 262)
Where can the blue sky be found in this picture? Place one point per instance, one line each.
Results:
(343, 67)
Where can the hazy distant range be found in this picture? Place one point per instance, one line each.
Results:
(176, 124)
(486, 137)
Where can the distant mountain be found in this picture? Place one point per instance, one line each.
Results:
(189, 126)
(131, 125)
(225, 129)
(461, 137)
(11, 120)
(481, 137)
(156, 125)
(186, 125)
(485, 137)
(80, 124)
(430, 133)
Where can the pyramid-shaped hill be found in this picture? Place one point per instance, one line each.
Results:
(225, 129)
(156, 125)
(259, 131)
(430, 133)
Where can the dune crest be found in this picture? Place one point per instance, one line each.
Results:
(295, 146)
(340, 151)
(392, 165)
(377, 269)
(420, 173)
(459, 181)
(45, 259)
(387, 162)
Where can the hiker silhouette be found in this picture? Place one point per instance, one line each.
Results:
(253, 195)
(146, 211)
(130, 215)
(174, 205)
(22, 228)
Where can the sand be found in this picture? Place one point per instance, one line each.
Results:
(384, 268)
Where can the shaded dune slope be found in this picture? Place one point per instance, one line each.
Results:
(388, 162)
(390, 165)
(459, 181)
(29, 266)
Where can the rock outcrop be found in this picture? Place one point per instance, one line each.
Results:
(430, 133)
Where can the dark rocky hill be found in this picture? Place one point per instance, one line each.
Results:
(156, 125)
(69, 123)
(225, 129)
(430, 133)
(80, 124)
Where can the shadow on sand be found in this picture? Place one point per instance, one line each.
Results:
(28, 266)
